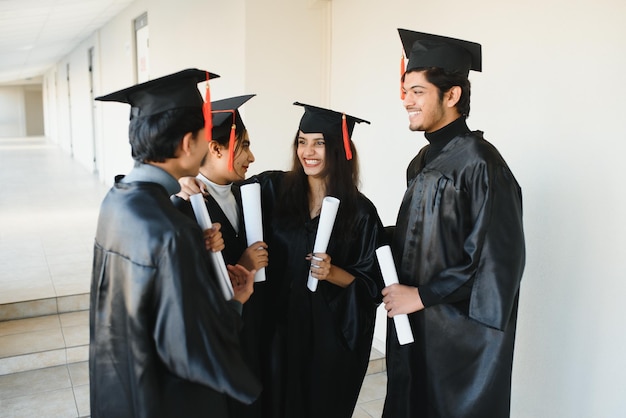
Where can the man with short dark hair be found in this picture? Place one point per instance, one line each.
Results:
(163, 338)
(458, 246)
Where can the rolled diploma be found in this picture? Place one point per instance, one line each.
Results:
(388, 268)
(252, 219)
(330, 205)
(217, 259)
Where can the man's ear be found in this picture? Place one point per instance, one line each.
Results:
(453, 96)
(187, 143)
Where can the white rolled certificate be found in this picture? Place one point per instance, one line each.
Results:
(217, 259)
(330, 205)
(253, 219)
(390, 276)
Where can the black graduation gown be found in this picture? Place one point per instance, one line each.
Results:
(253, 328)
(163, 341)
(459, 225)
(235, 243)
(322, 341)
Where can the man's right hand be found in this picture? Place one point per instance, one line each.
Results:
(401, 299)
(189, 186)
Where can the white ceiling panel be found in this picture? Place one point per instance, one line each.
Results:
(35, 34)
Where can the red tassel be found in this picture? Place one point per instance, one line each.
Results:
(346, 137)
(231, 147)
(402, 67)
(231, 139)
(206, 110)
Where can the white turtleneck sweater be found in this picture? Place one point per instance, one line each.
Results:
(224, 197)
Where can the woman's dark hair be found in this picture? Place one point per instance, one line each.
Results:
(224, 140)
(444, 81)
(342, 180)
(154, 138)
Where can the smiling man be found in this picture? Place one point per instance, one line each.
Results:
(458, 247)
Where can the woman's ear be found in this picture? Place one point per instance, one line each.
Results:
(215, 148)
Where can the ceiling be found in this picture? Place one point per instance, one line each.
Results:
(36, 34)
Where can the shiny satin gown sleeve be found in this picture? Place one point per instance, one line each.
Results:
(499, 237)
(354, 306)
(195, 330)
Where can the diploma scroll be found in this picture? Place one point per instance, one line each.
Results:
(330, 205)
(253, 219)
(217, 259)
(388, 268)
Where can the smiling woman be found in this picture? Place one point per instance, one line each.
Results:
(220, 175)
(226, 164)
(311, 152)
(314, 345)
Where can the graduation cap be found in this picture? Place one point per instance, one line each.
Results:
(329, 123)
(173, 91)
(427, 50)
(227, 121)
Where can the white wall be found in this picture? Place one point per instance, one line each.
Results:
(12, 114)
(287, 60)
(33, 109)
(21, 110)
(550, 98)
(62, 111)
(50, 106)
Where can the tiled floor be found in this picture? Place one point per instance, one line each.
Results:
(52, 352)
(49, 206)
(48, 210)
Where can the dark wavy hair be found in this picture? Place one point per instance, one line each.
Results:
(444, 81)
(342, 181)
(154, 138)
(224, 140)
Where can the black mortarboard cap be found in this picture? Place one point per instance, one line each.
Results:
(329, 123)
(225, 114)
(427, 50)
(227, 121)
(173, 91)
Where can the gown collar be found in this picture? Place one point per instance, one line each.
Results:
(152, 174)
(441, 137)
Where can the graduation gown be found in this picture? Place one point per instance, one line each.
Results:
(163, 341)
(322, 340)
(459, 239)
(253, 329)
(235, 243)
